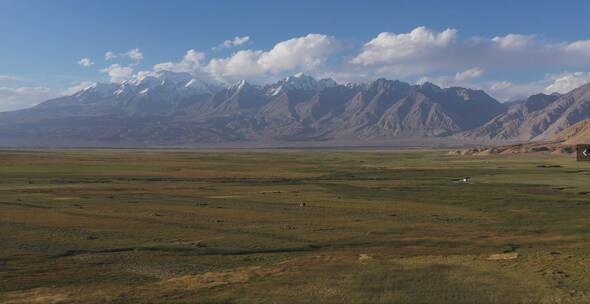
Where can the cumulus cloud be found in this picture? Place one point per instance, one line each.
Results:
(110, 55)
(85, 62)
(243, 63)
(191, 62)
(423, 51)
(237, 41)
(506, 90)
(133, 54)
(118, 73)
(551, 83)
(514, 41)
(305, 53)
(470, 74)
(391, 48)
(462, 79)
(501, 85)
(565, 82)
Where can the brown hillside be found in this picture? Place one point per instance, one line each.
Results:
(578, 133)
(562, 143)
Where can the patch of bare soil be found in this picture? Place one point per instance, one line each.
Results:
(555, 148)
(37, 295)
(216, 279)
(503, 256)
(240, 275)
(365, 258)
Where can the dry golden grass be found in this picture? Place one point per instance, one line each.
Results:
(132, 226)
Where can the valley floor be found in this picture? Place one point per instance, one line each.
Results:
(269, 226)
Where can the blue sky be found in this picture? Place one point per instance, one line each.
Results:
(508, 48)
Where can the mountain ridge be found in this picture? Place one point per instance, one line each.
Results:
(168, 108)
(537, 118)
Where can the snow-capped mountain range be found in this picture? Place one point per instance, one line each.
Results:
(168, 108)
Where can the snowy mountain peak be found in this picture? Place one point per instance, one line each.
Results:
(192, 82)
(159, 78)
(197, 86)
(356, 85)
(98, 89)
(299, 78)
(93, 85)
(165, 81)
(300, 81)
(240, 85)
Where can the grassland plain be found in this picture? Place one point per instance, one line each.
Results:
(286, 226)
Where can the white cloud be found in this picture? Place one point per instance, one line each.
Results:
(391, 48)
(501, 85)
(460, 79)
(243, 63)
(118, 73)
(24, 97)
(417, 53)
(514, 41)
(133, 54)
(305, 53)
(420, 53)
(19, 93)
(10, 78)
(470, 74)
(565, 82)
(551, 83)
(425, 51)
(191, 62)
(237, 41)
(110, 55)
(85, 62)
(506, 90)
(577, 46)
(27, 96)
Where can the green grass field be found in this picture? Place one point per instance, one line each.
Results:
(285, 226)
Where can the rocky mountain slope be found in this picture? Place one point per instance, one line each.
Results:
(169, 108)
(578, 133)
(538, 118)
(563, 142)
